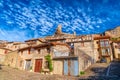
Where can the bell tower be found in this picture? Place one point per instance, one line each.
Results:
(59, 29)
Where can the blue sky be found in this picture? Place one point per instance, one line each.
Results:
(25, 19)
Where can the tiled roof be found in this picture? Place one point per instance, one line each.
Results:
(101, 37)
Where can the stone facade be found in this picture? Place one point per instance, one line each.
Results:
(114, 33)
(70, 53)
(103, 46)
(85, 53)
(15, 45)
(116, 50)
(11, 59)
(3, 52)
(59, 52)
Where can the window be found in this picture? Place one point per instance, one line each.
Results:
(114, 32)
(38, 51)
(32, 50)
(21, 63)
(21, 52)
(48, 50)
(5, 52)
(119, 49)
(46, 64)
(72, 45)
(29, 51)
(15, 46)
(105, 51)
(12, 60)
(97, 42)
(104, 43)
(82, 44)
(98, 49)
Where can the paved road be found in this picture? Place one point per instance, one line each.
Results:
(103, 71)
(115, 69)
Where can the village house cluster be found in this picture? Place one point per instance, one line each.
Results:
(61, 53)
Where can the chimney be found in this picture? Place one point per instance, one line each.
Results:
(74, 33)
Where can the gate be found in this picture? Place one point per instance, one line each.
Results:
(71, 67)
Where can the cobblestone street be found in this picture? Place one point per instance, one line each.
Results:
(7, 73)
(98, 71)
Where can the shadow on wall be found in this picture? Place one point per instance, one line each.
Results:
(81, 53)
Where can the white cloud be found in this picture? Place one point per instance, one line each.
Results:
(98, 26)
(40, 17)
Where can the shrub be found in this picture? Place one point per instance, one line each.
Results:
(82, 72)
(50, 66)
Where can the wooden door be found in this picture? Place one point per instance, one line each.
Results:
(38, 65)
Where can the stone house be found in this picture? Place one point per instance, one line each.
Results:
(115, 39)
(114, 33)
(36, 41)
(72, 53)
(33, 57)
(11, 59)
(116, 49)
(73, 63)
(102, 44)
(28, 58)
(15, 45)
(79, 58)
(82, 53)
(59, 52)
(3, 52)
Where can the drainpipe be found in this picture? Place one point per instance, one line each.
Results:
(16, 59)
(92, 45)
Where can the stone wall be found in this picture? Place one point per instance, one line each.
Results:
(85, 54)
(11, 59)
(116, 50)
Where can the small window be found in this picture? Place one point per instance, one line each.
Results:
(38, 51)
(5, 52)
(119, 49)
(46, 64)
(82, 44)
(29, 51)
(21, 52)
(15, 46)
(21, 63)
(12, 60)
(48, 50)
(98, 49)
(97, 42)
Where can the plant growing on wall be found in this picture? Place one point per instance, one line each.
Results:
(82, 72)
(48, 58)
